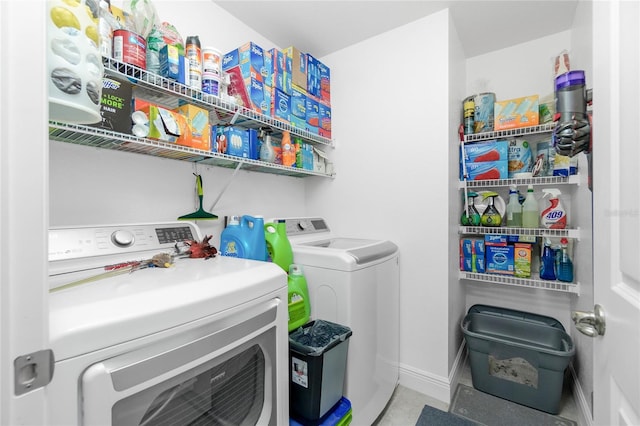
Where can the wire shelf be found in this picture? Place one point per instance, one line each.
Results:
(533, 232)
(522, 282)
(168, 92)
(522, 131)
(102, 138)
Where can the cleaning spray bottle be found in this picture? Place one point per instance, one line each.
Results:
(564, 266)
(491, 216)
(554, 215)
(547, 262)
(473, 218)
(298, 298)
(530, 210)
(514, 209)
(278, 245)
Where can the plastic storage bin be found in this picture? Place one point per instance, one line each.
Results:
(340, 415)
(517, 355)
(318, 360)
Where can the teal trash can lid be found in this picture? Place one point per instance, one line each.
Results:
(520, 315)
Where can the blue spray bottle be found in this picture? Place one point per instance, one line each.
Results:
(547, 262)
(565, 266)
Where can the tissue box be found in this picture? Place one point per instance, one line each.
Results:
(298, 67)
(514, 113)
(198, 131)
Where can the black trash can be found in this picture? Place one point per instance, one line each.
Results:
(318, 361)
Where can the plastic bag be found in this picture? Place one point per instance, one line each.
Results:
(319, 336)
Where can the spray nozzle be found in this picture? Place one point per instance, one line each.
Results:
(551, 192)
(489, 194)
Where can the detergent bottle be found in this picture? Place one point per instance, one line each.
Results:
(554, 215)
(232, 239)
(514, 209)
(530, 210)
(298, 298)
(278, 245)
(473, 216)
(252, 231)
(491, 216)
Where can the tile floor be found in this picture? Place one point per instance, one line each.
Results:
(405, 405)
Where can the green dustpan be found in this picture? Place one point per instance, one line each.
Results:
(199, 214)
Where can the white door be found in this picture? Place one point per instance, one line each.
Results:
(24, 210)
(616, 210)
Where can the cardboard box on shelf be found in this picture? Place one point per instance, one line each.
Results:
(325, 83)
(515, 113)
(522, 260)
(280, 105)
(115, 105)
(489, 170)
(313, 114)
(499, 260)
(324, 111)
(299, 108)
(480, 152)
(164, 124)
(198, 132)
(313, 76)
(298, 67)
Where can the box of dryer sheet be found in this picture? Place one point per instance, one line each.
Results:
(198, 131)
(514, 113)
(298, 67)
(115, 105)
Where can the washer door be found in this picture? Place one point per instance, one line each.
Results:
(221, 373)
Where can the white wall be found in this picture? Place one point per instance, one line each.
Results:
(94, 186)
(392, 152)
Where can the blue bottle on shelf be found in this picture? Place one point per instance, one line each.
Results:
(564, 266)
(547, 262)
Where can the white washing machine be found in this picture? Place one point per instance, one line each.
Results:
(198, 342)
(355, 282)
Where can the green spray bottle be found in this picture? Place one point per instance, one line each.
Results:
(491, 216)
(298, 298)
(472, 216)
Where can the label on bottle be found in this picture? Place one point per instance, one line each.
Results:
(554, 216)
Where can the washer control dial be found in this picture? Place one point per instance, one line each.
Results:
(122, 238)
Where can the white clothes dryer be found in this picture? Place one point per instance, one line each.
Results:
(199, 342)
(354, 282)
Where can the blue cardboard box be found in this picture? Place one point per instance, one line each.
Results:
(313, 76)
(280, 105)
(298, 108)
(325, 83)
(500, 260)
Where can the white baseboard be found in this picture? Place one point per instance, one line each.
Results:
(584, 411)
(438, 387)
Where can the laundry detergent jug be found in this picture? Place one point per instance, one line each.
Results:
(244, 237)
(278, 245)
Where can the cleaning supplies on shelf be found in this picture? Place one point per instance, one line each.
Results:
(491, 216)
(514, 209)
(278, 245)
(547, 261)
(471, 216)
(298, 298)
(564, 266)
(554, 216)
(530, 210)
